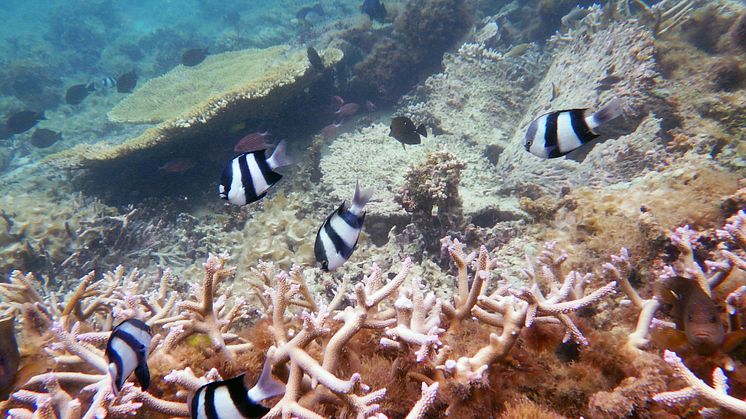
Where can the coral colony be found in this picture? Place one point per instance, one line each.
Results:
(418, 331)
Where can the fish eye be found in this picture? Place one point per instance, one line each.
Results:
(713, 319)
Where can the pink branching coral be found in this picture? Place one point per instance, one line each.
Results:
(202, 313)
(418, 328)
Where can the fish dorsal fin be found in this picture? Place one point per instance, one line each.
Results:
(266, 387)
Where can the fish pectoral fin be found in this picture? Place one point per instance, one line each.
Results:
(143, 375)
(113, 377)
(668, 338)
(266, 387)
(733, 339)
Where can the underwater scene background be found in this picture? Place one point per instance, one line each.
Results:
(337, 208)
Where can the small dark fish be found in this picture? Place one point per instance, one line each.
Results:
(194, 56)
(404, 131)
(127, 82)
(248, 176)
(557, 133)
(9, 356)
(694, 313)
(304, 12)
(252, 142)
(23, 121)
(374, 9)
(44, 138)
(314, 59)
(75, 94)
(178, 165)
(127, 350)
(234, 398)
(337, 237)
(348, 109)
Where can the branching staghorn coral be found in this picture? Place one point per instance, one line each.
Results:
(321, 350)
(716, 394)
(730, 253)
(364, 314)
(94, 305)
(202, 313)
(419, 320)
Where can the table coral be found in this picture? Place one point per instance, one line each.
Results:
(193, 106)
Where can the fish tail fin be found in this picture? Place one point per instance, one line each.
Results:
(279, 157)
(611, 110)
(422, 130)
(143, 374)
(266, 387)
(362, 196)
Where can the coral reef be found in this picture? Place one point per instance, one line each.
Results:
(278, 233)
(329, 344)
(348, 157)
(624, 51)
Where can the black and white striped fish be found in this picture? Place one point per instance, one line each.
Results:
(230, 399)
(127, 350)
(106, 83)
(248, 176)
(558, 133)
(337, 237)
